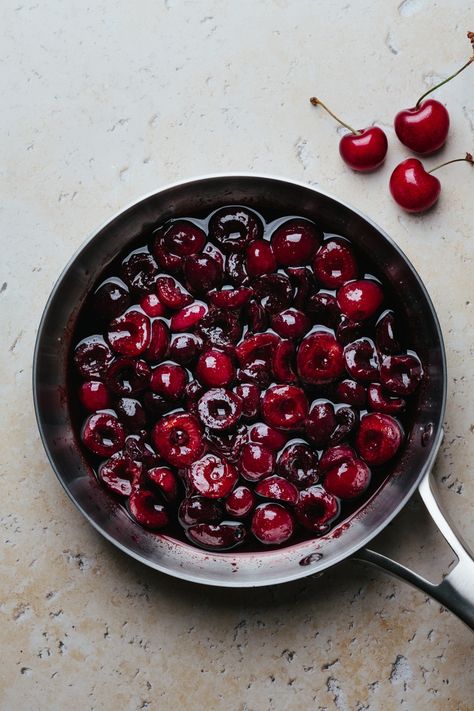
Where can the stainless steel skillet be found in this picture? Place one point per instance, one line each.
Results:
(353, 538)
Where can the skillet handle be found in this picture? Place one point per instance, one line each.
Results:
(456, 590)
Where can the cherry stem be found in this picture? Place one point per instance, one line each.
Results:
(470, 36)
(467, 159)
(317, 102)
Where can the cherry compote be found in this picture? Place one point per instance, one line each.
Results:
(242, 382)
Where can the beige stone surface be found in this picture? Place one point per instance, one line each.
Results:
(102, 102)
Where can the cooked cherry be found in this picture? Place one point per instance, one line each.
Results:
(257, 372)
(323, 309)
(299, 464)
(348, 331)
(198, 509)
(103, 434)
(156, 405)
(214, 368)
(192, 393)
(361, 360)
(189, 317)
(334, 264)
(290, 323)
(352, 393)
(217, 537)
(235, 269)
(240, 502)
(220, 328)
(258, 347)
(178, 439)
(152, 306)
(171, 294)
(302, 280)
(334, 456)
(295, 242)
(127, 376)
(120, 474)
(278, 489)
(169, 380)
(272, 524)
(379, 438)
(359, 300)
(129, 334)
(147, 510)
(140, 451)
(184, 238)
(347, 419)
(320, 423)
(212, 251)
(234, 227)
(386, 334)
(227, 444)
(219, 409)
(285, 407)
(269, 437)
(320, 359)
(169, 262)
(379, 401)
(256, 316)
(202, 273)
(260, 258)
(283, 362)
(250, 397)
(92, 357)
(212, 477)
(139, 271)
(347, 479)
(165, 480)
(274, 291)
(230, 298)
(159, 342)
(94, 396)
(184, 348)
(131, 413)
(401, 374)
(316, 509)
(256, 461)
(111, 299)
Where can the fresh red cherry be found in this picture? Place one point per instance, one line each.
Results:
(363, 150)
(424, 128)
(414, 188)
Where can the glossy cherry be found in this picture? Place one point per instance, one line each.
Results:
(212, 477)
(256, 461)
(214, 368)
(424, 128)
(272, 524)
(363, 150)
(416, 189)
(94, 396)
(379, 438)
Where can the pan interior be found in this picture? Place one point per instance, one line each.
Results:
(50, 380)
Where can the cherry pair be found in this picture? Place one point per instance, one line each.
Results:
(423, 128)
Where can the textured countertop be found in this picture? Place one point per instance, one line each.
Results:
(105, 101)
